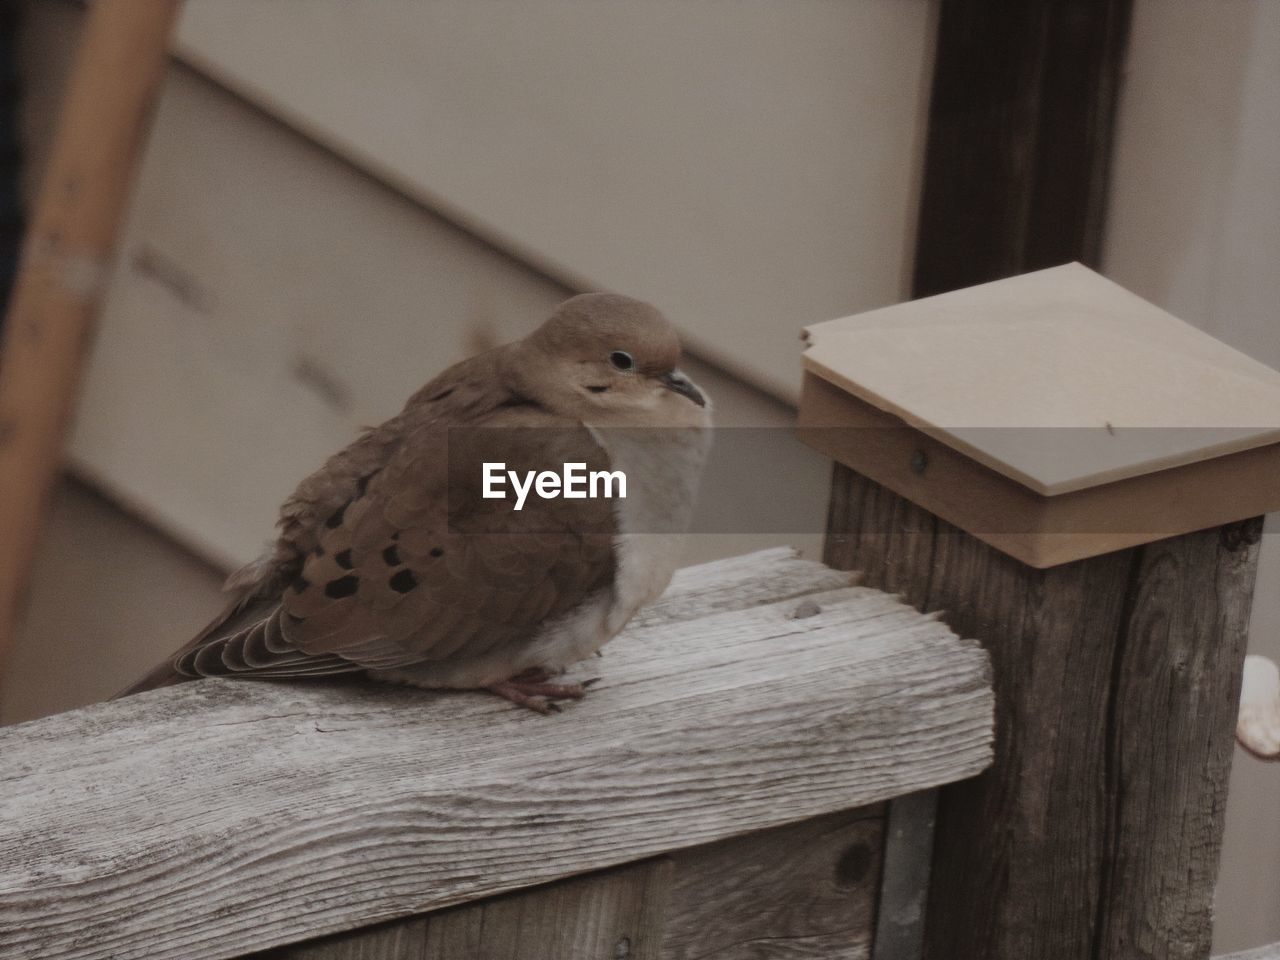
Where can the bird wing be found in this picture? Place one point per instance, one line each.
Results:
(416, 565)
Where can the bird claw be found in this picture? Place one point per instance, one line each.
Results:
(537, 694)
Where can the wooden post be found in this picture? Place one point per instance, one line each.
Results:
(1019, 139)
(1096, 833)
(1111, 586)
(65, 262)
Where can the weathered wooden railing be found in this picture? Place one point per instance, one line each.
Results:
(725, 775)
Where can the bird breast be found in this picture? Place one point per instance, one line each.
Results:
(663, 468)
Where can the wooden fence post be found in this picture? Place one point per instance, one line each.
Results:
(1108, 568)
(1097, 831)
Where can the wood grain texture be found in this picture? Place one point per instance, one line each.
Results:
(804, 890)
(606, 915)
(219, 817)
(1176, 686)
(1096, 833)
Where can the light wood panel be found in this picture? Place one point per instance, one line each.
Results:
(748, 167)
(213, 818)
(1038, 530)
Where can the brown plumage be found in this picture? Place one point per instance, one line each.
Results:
(390, 563)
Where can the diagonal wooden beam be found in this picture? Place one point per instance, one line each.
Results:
(64, 266)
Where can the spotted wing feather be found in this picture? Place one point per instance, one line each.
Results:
(417, 566)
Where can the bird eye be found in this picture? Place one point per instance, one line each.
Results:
(622, 360)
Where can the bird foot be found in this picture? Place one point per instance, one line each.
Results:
(532, 691)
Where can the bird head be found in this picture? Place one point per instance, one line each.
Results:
(609, 360)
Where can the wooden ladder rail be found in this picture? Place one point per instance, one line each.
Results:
(64, 268)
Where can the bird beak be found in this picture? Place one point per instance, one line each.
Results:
(676, 381)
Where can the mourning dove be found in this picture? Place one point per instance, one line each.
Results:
(391, 563)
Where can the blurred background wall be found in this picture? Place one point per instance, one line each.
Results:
(341, 197)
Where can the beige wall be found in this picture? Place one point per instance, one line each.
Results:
(110, 598)
(272, 297)
(749, 164)
(1194, 226)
